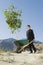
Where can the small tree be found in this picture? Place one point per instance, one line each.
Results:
(13, 18)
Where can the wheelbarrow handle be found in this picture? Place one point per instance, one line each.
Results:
(25, 45)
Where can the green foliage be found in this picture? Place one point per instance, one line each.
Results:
(13, 18)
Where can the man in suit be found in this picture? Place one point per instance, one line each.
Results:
(30, 37)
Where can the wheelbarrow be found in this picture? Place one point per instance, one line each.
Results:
(22, 44)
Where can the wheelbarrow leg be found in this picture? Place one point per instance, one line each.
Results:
(17, 51)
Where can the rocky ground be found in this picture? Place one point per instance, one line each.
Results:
(23, 58)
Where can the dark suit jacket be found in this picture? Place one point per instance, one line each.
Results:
(30, 35)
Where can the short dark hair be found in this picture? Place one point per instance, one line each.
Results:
(28, 25)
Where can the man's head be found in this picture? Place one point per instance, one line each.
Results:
(28, 27)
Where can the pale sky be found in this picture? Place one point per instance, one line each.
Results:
(32, 13)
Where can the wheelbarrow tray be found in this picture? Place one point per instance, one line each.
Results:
(21, 42)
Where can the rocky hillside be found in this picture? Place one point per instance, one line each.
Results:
(7, 44)
(39, 47)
